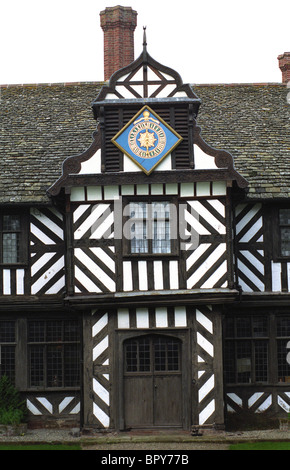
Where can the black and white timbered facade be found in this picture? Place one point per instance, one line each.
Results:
(146, 299)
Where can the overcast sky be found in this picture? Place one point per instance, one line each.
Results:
(206, 41)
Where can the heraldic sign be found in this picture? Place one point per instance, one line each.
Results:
(147, 139)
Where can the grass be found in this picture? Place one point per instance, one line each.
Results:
(242, 446)
(261, 446)
(40, 447)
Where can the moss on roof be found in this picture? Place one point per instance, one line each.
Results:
(42, 125)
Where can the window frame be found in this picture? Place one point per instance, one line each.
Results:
(276, 234)
(251, 339)
(5, 344)
(23, 243)
(45, 344)
(150, 360)
(282, 338)
(174, 242)
(272, 338)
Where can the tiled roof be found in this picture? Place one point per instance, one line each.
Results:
(42, 125)
(252, 122)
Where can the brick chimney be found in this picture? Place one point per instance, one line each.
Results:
(284, 65)
(118, 24)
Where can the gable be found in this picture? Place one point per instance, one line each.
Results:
(174, 105)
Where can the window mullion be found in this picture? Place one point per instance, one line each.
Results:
(253, 352)
(166, 357)
(62, 353)
(45, 365)
(62, 364)
(253, 359)
(150, 228)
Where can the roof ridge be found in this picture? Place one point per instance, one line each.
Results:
(239, 84)
(29, 85)
(101, 82)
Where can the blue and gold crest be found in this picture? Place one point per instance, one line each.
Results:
(147, 139)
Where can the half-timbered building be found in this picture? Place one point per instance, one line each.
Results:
(145, 248)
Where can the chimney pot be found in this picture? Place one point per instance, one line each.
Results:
(284, 65)
(118, 24)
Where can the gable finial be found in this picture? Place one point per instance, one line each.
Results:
(144, 45)
(144, 37)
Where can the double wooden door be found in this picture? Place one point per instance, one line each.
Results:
(152, 382)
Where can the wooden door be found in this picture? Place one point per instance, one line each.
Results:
(152, 382)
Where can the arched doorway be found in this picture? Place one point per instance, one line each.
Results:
(152, 379)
